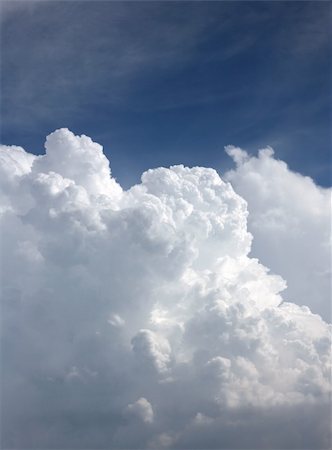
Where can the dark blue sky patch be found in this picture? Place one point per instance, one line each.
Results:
(160, 83)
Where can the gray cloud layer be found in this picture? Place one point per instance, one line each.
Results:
(136, 319)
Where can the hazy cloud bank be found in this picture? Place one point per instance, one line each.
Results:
(136, 319)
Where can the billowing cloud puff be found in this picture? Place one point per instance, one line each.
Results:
(142, 409)
(137, 319)
(290, 217)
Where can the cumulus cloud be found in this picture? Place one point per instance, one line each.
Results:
(290, 217)
(142, 409)
(139, 319)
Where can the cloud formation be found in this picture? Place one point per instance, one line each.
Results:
(137, 319)
(290, 217)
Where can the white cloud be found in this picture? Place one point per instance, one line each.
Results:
(152, 349)
(141, 409)
(290, 217)
(137, 319)
(79, 159)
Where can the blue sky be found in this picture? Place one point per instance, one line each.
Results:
(161, 83)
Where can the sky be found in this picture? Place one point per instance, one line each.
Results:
(165, 216)
(161, 83)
